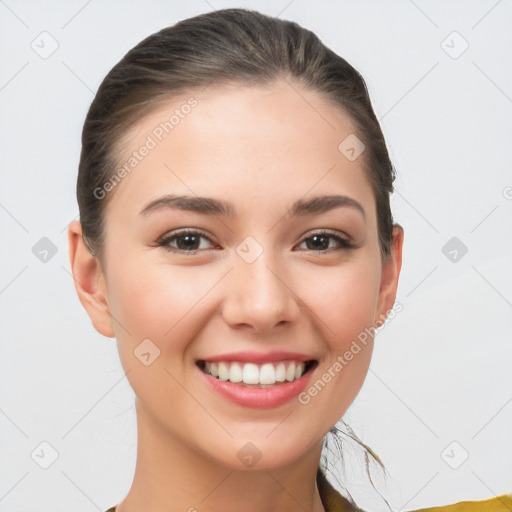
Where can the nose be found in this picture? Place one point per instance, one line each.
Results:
(259, 296)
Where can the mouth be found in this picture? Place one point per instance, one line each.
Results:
(252, 375)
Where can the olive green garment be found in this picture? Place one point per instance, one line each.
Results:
(334, 502)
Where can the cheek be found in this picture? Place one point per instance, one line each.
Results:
(346, 300)
(344, 309)
(159, 303)
(154, 301)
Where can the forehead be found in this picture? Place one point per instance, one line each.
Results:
(242, 110)
(259, 142)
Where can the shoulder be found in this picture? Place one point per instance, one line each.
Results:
(334, 502)
(501, 503)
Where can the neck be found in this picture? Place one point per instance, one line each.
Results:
(172, 477)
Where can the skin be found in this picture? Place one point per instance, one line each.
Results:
(261, 149)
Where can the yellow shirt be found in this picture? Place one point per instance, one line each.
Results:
(334, 502)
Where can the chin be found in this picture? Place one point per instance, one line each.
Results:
(268, 452)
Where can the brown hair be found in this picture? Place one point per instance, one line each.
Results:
(228, 46)
(225, 46)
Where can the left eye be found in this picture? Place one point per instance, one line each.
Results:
(190, 241)
(322, 239)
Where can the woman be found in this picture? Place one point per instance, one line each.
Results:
(236, 238)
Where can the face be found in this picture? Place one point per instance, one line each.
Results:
(258, 291)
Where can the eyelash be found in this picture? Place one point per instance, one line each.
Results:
(345, 244)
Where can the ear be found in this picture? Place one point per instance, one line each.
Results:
(89, 281)
(389, 278)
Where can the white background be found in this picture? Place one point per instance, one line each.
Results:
(441, 370)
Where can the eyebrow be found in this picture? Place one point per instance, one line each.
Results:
(211, 206)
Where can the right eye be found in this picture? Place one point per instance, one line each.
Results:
(187, 241)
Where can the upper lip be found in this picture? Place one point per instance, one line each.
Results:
(259, 357)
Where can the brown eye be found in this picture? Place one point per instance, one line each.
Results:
(320, 242)
(189, 241)
(186, 241)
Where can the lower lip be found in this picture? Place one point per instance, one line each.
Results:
(258, 398)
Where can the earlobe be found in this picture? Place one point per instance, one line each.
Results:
(391, 267)
(89, 281)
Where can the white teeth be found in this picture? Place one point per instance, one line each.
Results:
(290, 372)
(223, 371)
(235, 373)
(280, 372)
(253, 374)
(267, 374)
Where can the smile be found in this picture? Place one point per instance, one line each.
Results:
(256, 375)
